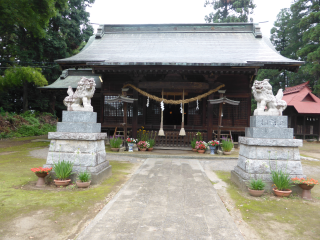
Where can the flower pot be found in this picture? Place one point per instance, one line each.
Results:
(83, 184)
(143, 149)
(201, 151)
(150, 149)
(130, 147)
(41, 176)
(59, 183)
(306, 186)
(256, 193)
(115, 149)
(212, 149)
(285, 193)
(226, 153)
(306, 192)
(194, 150)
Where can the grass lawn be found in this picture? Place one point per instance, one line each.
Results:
(59, 213)
(272, 217)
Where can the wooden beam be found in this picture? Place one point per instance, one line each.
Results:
(174, 85)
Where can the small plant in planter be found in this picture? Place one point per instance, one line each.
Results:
(84, 179)
(151, 143)
(63, 170)
(256, 187)
(143, 145)
(201, 146)
(282, 183)
(227, 146)
(115, 144)
(306, 185)
(41, 174)
(193, 144)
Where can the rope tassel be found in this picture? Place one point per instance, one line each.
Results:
(182, 131)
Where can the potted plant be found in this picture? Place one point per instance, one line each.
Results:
(201, 146)
(282, 183)
(151, 143)
(115, 144)
(227, 146)
(131, 142)
(306, 185)
(256, 187)
(143, 145)
(63, 170)
(84, 179)
(41, 174)
(212, 145)
(193, 144)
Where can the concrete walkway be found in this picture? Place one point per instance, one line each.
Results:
(164, 199)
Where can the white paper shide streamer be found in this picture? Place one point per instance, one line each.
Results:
(148, 102)
(197, 108)
(181, 110)
(162, 106)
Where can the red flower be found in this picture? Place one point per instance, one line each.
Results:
(41, 170)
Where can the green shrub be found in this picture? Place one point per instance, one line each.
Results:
(63, 169)
(115, 142)
(84, 176)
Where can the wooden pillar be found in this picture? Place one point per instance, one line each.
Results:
(52, 103)
(209, 118)
(125, 119)
(101, 107)
(304, 127)
(204, 112)
(220, 117)
(135, 114)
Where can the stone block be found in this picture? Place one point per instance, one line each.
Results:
(79, 116)
(83, 159)
(77, 136)
(99, 167)
(270, 132)
(265, 166)
(270, 142)
(73, 146)
(269, 121)
(264, 176)
(78, 127)
(100, 176)
(261, 152)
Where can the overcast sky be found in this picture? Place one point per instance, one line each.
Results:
(174, 11)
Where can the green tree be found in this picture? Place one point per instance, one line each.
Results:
(64, 36)
(310, 28)
(22, 76)
(226, 11)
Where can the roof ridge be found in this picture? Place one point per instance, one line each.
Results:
(296, 88)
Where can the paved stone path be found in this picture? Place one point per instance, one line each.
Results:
(164, 199)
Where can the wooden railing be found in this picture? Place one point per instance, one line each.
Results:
(173, 140)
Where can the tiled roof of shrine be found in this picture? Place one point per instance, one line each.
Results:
(227, 45)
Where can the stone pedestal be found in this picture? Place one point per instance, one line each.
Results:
(79, 139)
(268, 145)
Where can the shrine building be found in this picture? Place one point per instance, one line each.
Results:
(179, 62)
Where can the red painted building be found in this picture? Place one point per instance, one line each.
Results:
(303, 111)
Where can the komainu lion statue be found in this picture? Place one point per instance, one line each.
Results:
(267, 103)
(80, 100)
